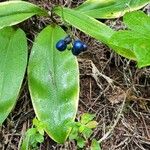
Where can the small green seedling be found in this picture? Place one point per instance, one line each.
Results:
(83, 129)
(33, 136)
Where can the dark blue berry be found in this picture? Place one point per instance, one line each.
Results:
(78, 46)
(75, 52)
(68, 39)
(85, 47)
(61, 45)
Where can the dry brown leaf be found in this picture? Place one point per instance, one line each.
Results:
(117, 95)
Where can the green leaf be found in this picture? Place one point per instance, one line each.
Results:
(85, 23)
(39, 126)
(35, 122)
(31, 132)
(39, 138)
(95, 145)
(142, 52)
(138, 22)
(26, 143)
(80, 142)
(31, 139)
(53, 83)
(87, 132)
(122, 43)
(13, 61)
(137, 38)
(81, 128)
(73, 134)
(110, 8)
(14, 12)
(94, 4)
(92, 124)
(86, 117)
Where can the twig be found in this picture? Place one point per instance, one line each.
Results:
(115, 123)
(147, 132)
(96, 73)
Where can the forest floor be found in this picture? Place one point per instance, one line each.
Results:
(111, 87)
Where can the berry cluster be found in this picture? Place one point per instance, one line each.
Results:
(78, 46)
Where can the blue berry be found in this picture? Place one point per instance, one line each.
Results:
(75, 52)
(85, 47)
(78, 46)
(61, 45)
(68, 39)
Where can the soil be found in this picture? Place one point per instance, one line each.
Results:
(111, 87)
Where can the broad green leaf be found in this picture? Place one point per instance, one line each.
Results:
(85, 23)
(127, 53)
(92, 27)
(110, 8)
(138, 22)
(53, 83)
(122, 43)
(137, 38)
(95, 145)
(14, 12)
(142, 52)
(94, 4)
(13, 61)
